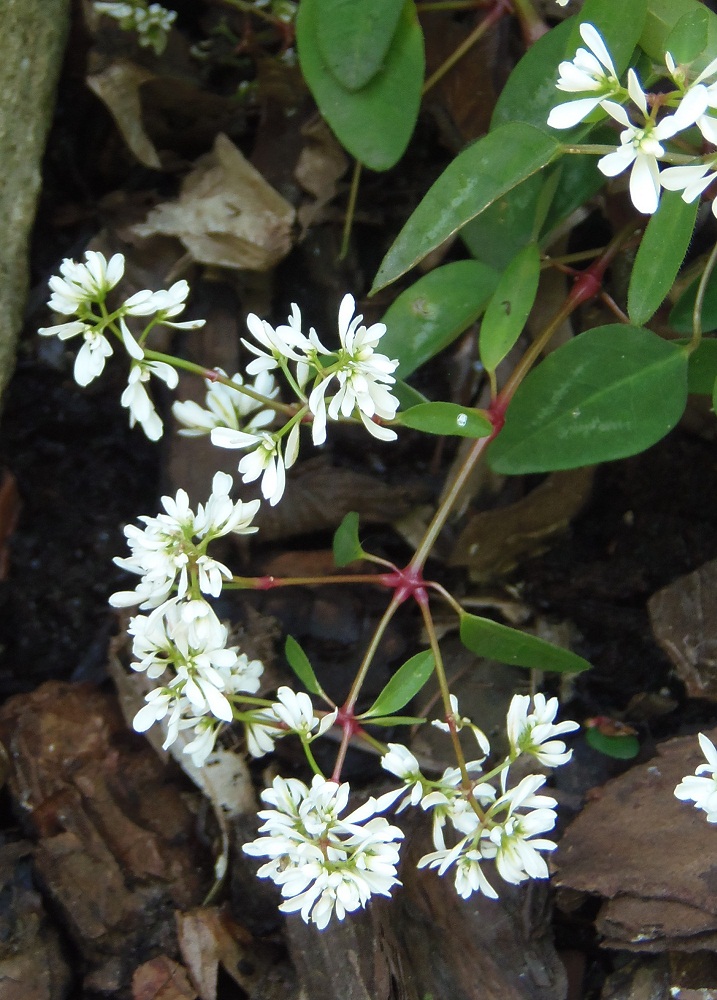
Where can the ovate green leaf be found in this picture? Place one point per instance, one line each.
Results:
(354, 37)
(507, 645)
(447, 418)
(688, 39)
(702, 368)
(619, 747)
(609, 393)
(376, 122)
(404, 685)
(478, 176)
(660, 256)
(663, 17)
(347, 547)
(299, 663)
(509, 307)
(435, 310)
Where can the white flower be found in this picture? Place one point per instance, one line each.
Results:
(400, 761)
(90, 360)
(83, 285)
(691, 179)
(362, 375)
(324, 863)
(165, 304)
(150, 22)
(221, 515)
(227, 407)
(280, 344)
(296, 712)
(702, 790)
(266, 460)
(466, 856)
(135, 397)
(171, 549)
(534, 733)
(517, 857)
(590, 71)
(459, 722)
(641, 147)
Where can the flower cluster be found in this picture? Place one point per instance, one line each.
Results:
(698, 788)
(81, 291)
(181, 639)
(592, 73)
(486, 826)
(352, 381)
(152, 22)
(325, 862)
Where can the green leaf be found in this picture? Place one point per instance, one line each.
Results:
(354, 37)
(662, 19)
(347, 547)
(529, 93)
(478, 176)
(620, 747)
(714, 397)
(660, 256)
(702, 368)
(688, 39)
(398, 720)
(447, 418)
(374, 123)
(434, 311)
(611, 392)
(580, 180)
(504, 228)
(407, 396)
(404, 685)
(681, 315)
(509, 307)
(299, 663)
(507, 645)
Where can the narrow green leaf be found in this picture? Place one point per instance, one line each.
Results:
(681, 315)
(447, 418)
(663, 17)
(507, 645)
(376, 122)
(347, 547)
(478, 176)
(660, 256)
(434, 311)
(619, 747)
(611, 392)
(397, 720)
(688, 39)
(299, 663)
(404, 685)
(354, 37)
(509, 307)
(529, 93)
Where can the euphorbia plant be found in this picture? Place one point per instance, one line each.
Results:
(609, 392)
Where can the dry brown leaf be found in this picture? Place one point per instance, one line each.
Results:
(683, 616)
(162, 979)
(208, 939)
(118, 88)
(494, 542)
(649, 855)
(321, 164)
(227, 214)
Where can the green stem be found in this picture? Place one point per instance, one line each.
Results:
(350, 210)
(446, 697)
(699, 301)
(269, 582)
(370, 653)
(491, 18)
(203, 372)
